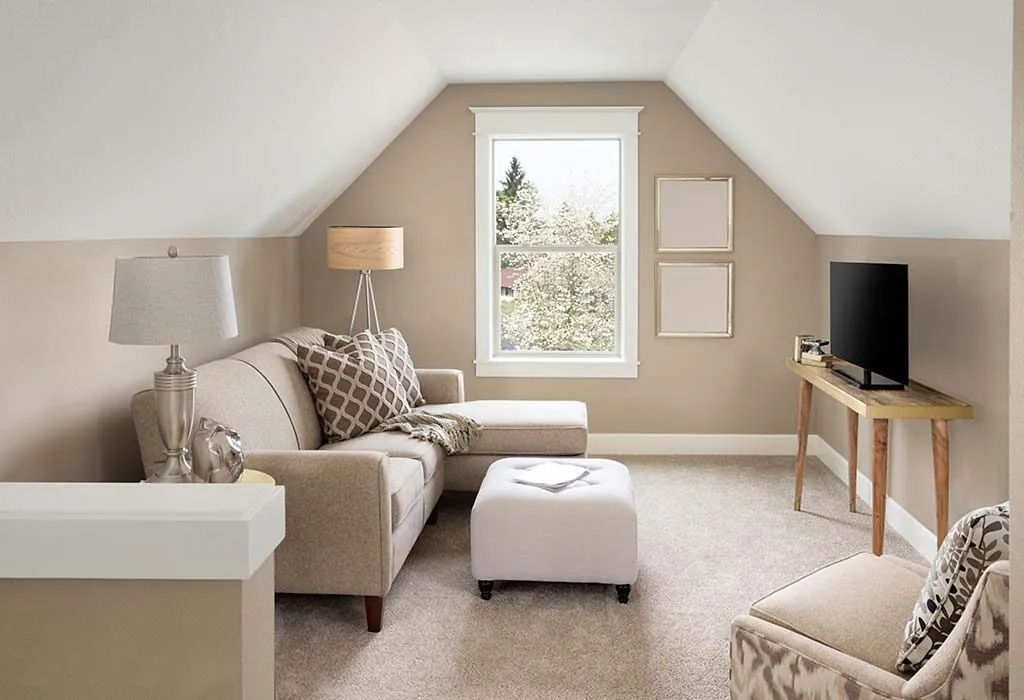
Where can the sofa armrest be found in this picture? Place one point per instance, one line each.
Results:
(770, 661)
(337, 521)
(442, 385)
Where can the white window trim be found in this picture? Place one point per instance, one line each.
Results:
(557, 122)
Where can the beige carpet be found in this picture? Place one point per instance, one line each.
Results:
(716, 533)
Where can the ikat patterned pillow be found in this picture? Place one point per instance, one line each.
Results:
(354, 389)
(979, 539)
(397, 350)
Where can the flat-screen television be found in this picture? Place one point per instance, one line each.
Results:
(869, 321)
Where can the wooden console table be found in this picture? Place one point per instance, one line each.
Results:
(916, 401)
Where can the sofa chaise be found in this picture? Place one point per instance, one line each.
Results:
(354, 509)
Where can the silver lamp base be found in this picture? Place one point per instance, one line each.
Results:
(175, 391)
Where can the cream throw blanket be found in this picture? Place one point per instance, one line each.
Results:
(454, 432)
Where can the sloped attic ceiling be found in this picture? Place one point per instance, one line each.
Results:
(127, 119)
(868, 118)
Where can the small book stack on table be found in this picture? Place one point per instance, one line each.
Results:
(816, 360)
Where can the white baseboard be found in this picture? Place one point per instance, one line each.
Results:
(896, 516)
(912, 530)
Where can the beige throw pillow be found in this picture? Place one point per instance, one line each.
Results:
(397, 351)
(354, 388)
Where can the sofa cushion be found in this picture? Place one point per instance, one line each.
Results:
(980, 538)
(524, 427)
(397, 350)
(280, 368)
(396, 444)
(354, 389)
(857, 606)
(405, 483)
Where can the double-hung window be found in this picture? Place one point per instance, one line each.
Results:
(556, 241)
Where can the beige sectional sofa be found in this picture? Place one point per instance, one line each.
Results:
(354, 509)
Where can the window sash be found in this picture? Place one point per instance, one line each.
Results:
(496, 300)
(556, 123)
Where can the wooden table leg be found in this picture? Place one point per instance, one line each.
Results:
(852, 424)
(806, 388)
(940, 457)
(879, 483)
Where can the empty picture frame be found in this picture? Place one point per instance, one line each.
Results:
(694, 300)
(693, 214)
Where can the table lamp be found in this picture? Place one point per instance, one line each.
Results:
(365, 248)
(168, 301)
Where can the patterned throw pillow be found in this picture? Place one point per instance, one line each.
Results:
(354, 389)
(397, 351)
(980, 538)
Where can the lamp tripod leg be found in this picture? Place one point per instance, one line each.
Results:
(355, 306)
(371, 301)
(369, 293)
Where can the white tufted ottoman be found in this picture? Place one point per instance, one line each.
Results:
(585, 533)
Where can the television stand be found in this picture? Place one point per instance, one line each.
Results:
(879, 407)
(864, 379)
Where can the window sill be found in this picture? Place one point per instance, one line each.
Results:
(604, 368)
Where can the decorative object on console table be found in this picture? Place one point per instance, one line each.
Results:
(365, 248)
(168, 301)
(799, 345)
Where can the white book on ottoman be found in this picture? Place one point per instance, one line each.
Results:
(553, 476)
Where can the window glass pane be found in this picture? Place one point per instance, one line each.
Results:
(557, 302)
(556, 192)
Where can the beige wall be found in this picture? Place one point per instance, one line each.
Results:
(126, 640)
(1017, 353)
(958, 344)
(64, 414)
(424, 181)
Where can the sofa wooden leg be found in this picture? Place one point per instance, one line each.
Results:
(486, 587)
(432, 518)
(374, 612)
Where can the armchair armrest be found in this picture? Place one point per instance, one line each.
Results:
(337, 521)
(442, 385)
(772, 661)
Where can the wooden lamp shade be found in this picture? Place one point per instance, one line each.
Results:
(365, 247)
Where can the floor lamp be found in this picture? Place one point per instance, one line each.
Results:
(168, 301)
(365, 248)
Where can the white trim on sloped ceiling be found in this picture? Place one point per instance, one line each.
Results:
(216, 119)
(867, 118)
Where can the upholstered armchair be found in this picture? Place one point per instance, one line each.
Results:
(836, 633)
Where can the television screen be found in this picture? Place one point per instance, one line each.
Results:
(868, 316)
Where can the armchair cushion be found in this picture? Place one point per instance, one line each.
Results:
(980, 538)
(857, 606)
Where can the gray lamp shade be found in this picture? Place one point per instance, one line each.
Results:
(172, 300)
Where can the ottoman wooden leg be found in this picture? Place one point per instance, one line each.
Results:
(622, 591)
(485, 589)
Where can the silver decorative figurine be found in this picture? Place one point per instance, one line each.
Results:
(217, 456)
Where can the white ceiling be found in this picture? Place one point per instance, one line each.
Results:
(868, 118)
(529, 40)
(128, 119)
